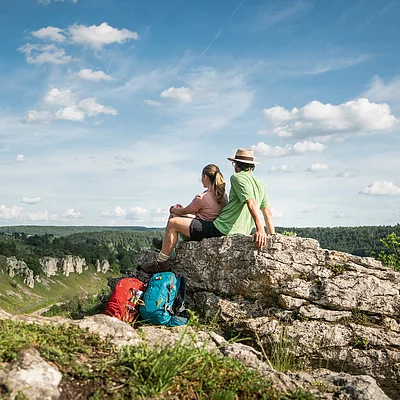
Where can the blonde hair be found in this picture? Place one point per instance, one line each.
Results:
(217, 181)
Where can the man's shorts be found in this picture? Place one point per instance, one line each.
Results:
(200, 229)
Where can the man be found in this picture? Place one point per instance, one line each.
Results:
(247, 197)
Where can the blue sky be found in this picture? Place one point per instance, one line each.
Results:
(109, 109)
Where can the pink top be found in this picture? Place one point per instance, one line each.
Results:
(205, 206)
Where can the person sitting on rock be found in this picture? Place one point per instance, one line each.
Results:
(204, 207)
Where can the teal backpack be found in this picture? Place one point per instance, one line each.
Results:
(164, 299)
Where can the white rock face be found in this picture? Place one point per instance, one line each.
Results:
(49, 265)
(72, 264)
(18, 267)
(103, 266)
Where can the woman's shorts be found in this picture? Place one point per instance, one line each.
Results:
(200, 229)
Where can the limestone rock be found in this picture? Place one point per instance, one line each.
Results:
(103, 266)
(49, 265)
(18, 267)
(32, 377)
(71, 264)
(338, 309)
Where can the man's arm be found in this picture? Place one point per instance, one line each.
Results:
(260, 236)
(268, 220)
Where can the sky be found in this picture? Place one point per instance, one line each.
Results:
(109, 109)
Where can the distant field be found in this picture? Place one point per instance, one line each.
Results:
(16, 297)
(69, 230)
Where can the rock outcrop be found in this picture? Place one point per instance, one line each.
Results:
(325, 384)
(66, 265)
(338, 310)
(102, 266)
(19, 268)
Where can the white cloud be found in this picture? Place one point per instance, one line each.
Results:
(51, 33)
(71, 214)
(43, 117)
(117, 212)
(18, 214)
(41, 54)
(311, 209)
(20, 158)
(282, 168)
(264, 150)
(339, 215)
(380, 91)
(94, 76)
(181, 94)
(348, 173)
(124, 159)
(317, 118)
(46, 2)
(384, 188)
(98, 36)
(31, 200)
(59, 97)
(317, 167)
(92, 108)
(70, 114)
(152, 103)
(276, 213)
(137, 214)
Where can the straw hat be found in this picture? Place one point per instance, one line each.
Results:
(244, 156)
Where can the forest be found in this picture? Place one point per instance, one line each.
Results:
(119, 245)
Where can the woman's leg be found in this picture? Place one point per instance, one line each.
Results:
(175, 225)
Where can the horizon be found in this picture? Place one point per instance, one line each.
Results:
(110, 109)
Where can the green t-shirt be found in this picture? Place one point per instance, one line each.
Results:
(236, 217)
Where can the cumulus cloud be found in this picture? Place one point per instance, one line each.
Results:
(264, 150)
(316, 118)
(94, 76)
(31, 200)
(20, 158)
(41, 54)
(98, 36)
(137, 214)
(384, 188)
(70, 109)
(276, 213)
(317, 167)
(18, 214)
(181, 94)
(92, 108)
(50, 33)
(70, 114)
(282, 168)
(348, 173)
(117, 212)
(71, 214)
(59, 97)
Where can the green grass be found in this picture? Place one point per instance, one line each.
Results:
(93, 369)
(60, 289)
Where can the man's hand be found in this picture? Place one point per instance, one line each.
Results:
(260, 237)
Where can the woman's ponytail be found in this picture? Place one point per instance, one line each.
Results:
(217, 181)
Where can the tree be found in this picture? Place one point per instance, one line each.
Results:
(391, 257)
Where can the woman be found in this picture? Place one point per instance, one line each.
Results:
(205, 206)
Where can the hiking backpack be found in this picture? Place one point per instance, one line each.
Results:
(164, 299)
(125, 299)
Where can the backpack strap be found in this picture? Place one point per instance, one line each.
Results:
(179, 304)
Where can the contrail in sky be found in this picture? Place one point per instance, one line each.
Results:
(222, 28)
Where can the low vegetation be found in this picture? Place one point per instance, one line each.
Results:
(93, 369)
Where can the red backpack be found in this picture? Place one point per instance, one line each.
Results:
(124, 300)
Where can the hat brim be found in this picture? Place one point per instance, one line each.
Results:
(243, 161)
